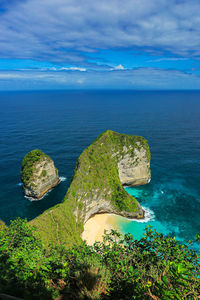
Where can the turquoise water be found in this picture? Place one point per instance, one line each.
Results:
(160, 202)
(137, 227)
(63, 124)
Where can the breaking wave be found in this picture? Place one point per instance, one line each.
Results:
(148, 216)
(62, 178)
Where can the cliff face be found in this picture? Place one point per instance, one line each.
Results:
(134, 170)
(38, 174)
(111, 161)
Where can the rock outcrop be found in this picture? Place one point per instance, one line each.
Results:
(38, 174)
(134, 170)
(111, 161)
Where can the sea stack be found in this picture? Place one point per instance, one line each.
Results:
(97, 186)
(38, 174)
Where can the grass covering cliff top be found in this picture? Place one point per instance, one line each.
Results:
(29, 162)
(95, 177)
(97, 170)
(117, 140)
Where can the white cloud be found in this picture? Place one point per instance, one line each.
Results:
(63, 30)
(64, 69)
(80, 81)
(73, 69)
(169, 59)
(119, 67)
(141, 78)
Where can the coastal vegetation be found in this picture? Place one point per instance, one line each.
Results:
(28, 164)
(2, 224)
(154, 267)
(95, 187)
(47, 259)
(38, 174)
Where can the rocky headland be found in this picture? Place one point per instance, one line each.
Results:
(111, 161)
(38, 174)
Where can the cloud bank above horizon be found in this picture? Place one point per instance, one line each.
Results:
(97, 44)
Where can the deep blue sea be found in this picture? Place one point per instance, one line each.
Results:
(64, 123)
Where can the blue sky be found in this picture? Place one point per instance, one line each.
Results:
(77, 44)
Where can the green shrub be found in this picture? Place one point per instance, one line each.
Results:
(2, 225)
(32, 271)
(28, 163)
(154, 267)
(44, 173)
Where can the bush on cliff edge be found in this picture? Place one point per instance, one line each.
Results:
(154, 267)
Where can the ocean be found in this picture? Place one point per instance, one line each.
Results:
(64, 123)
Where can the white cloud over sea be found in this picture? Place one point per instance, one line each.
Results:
(141, 78)
(64, 29)
(111, 42)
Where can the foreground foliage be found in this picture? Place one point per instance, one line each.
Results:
(155, 267)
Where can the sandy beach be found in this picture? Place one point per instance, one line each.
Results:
(95, 226)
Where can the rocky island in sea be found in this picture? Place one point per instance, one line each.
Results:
(111, 161)
(118, 268)
(38, 174)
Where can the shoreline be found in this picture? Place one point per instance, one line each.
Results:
(44, 193)
(95, 226)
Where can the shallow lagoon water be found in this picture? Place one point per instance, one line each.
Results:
(63, 124)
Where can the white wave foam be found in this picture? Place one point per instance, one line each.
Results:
(33, 199)
(30, 198)
(19, 184)
(148, 216)
(62, 178)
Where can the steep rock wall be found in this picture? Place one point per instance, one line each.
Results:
(38, 174)
(111, 161)
(134, 170)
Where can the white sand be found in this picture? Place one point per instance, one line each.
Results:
(95, 226)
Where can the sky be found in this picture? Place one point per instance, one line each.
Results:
(99, 44)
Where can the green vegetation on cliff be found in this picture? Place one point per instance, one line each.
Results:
(28, 163)
(2, 224)
(97, 170)
(154, 267)
(95, 179)
(50, 261)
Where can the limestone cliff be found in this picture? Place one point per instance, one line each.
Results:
(38, 174)
(111, 161)
(134, 169)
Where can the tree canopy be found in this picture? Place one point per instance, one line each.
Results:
(154, 267)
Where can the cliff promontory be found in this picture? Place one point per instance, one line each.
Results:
(38, 174)
(111, 161)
